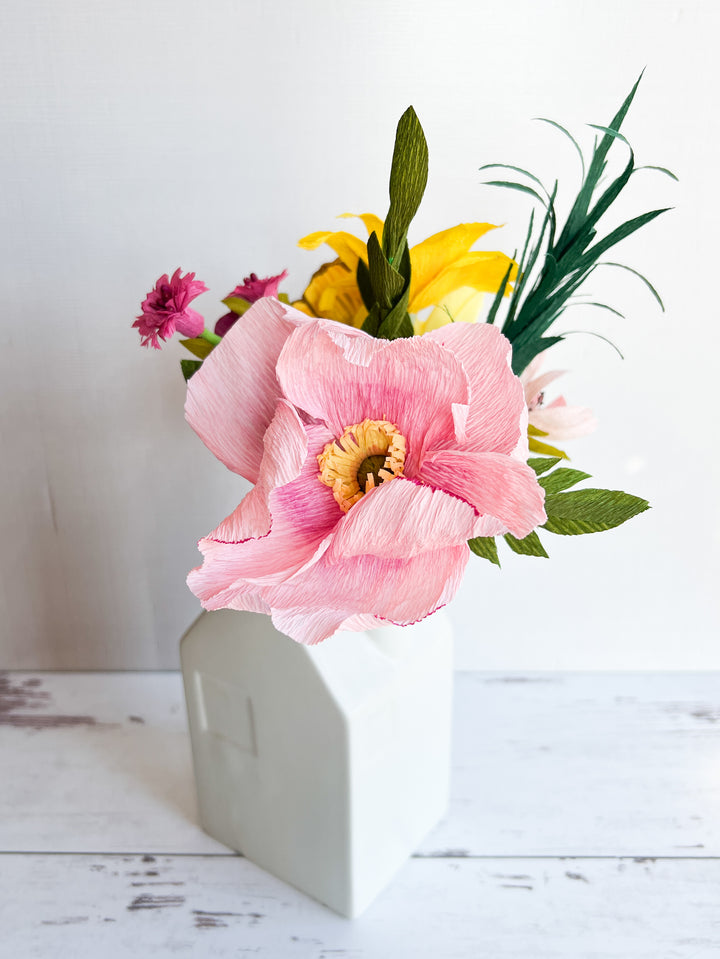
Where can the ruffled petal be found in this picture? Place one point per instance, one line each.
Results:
(496, 395)
(562, 422)
(302, 515)
(316, 603)
(232, 397)
(342, 377)
(495, 484)
(402, 518)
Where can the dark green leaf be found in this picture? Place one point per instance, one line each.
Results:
(561, 479)
(499, 295)
(485, 547)
(630, 226)
(543, 464)
(516, 169)
(521, 187)
(189, 367)
(590, 510)
(529, 546)
(645, 280)
(570, 137)
(660, 169)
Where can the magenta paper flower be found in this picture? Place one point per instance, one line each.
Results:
(373, 461)
(253, 289)
(556, 419)
(165, 309)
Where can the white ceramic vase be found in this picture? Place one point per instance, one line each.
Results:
(326, 765)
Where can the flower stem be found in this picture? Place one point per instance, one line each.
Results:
(210, 337)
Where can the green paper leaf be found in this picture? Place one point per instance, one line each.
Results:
(499, 295)
(520, 187)
(561, 479)
(659, 169)
(364, 285)
(485, 547)
(198, 347)
(189, 368)
(284, 298)
(590, 510)
(408, 179)
(236, 304)
(543, 464)
(529, 546)
(640, 276)
(371, 323)
(387, 284)
(570, 137)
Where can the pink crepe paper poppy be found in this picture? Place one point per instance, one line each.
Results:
(252, 289)
(284, 400)
(165, 309)
(556, 419)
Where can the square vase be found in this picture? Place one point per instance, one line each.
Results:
(325, 765)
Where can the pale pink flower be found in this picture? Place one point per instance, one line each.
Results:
(556, 419)
(293, 403)
(165, 309)
(252, 289)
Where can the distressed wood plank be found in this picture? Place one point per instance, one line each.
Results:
(544, 764)
(73, 907)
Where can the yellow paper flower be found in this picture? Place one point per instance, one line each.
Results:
(446, 275)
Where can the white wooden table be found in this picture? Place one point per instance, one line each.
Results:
(585, 822)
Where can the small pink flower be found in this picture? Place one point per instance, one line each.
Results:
(556, 419)
(373, 461)
(253, 289)
(165, 309)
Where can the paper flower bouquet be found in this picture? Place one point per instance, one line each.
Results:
(392, 424)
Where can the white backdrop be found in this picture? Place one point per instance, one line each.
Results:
(149, 134)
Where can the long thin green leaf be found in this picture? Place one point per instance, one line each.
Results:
(645, 280)
(516, 169)
(623, 231)
(601, 306)
(570, 137)
(610, 132)
(660, 169)
(520, 187)
(598, 335)
(499, 296)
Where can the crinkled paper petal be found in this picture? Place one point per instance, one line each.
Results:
(342, 377)
(317, 602)
(232, 397)
(495, 484)
(497, 398)
(402, 518)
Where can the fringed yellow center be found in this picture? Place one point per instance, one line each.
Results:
(367, 454)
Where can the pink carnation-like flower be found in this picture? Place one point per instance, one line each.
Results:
(252, 289)
(165, 309)
(556, 419)
(373, 461)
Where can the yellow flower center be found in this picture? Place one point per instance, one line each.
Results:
(367, 454)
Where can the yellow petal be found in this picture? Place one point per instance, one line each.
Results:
(482, 271)
(460, 306)
(349, 248)
(439, 251)
(373, 224)
(333, 294)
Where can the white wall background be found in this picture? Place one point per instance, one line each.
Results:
(145, 134)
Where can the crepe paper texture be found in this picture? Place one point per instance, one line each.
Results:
(384, 419)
